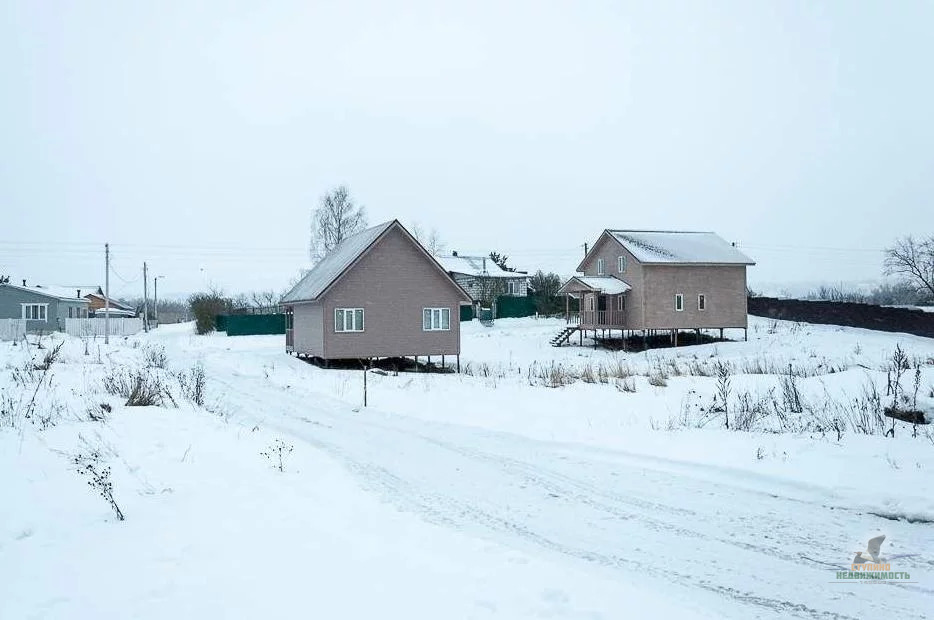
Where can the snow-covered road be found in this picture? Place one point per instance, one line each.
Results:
(710, 538)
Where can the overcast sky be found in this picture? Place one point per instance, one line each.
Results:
(199, 135)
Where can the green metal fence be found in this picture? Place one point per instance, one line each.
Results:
(251, 324)
(467, 313)
(514, 307)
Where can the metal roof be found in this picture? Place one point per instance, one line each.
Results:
(51, 291)
(333, 265)
(608, 285)
(680, 247)
(477, 266)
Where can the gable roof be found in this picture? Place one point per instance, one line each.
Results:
(53, 292)
(608, 285)
(476, 266)
(333, 266)
(114, 304)
(677, 247)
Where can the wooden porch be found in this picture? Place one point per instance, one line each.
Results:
(596, 319)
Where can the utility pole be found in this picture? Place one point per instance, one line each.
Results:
(155, 298)
(107, 293)
(145, 298)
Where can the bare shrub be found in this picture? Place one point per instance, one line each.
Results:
(192, 383)
(658, 379)
(276, 453)
(140, 388)
(626, 385)
(90, 465)
(206, 306)
(155, 357)
(724, 372)
(790, 392)
(50, 357)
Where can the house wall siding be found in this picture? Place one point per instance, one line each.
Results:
(393, 282)
(308, 329)
(13, 298)
(609, 249)
(473, 286)
(723, 285)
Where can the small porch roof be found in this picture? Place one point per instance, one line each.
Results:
(605, 285)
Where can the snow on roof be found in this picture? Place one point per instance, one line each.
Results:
(608, 285)
(333, 265)
(115, 312)
(57, 292)
(475, 266)
(669, 246)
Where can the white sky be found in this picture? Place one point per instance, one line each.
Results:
(199, 135)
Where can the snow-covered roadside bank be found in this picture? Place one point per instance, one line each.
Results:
(212, 529)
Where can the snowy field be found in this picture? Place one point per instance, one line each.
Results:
(729, 480)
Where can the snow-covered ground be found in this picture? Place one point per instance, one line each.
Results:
(486, 494)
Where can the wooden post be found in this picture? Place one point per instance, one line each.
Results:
(458, 363)
(674, 335)
(721, 333)
(442, 361)
(567, 307)
(746, 334)
(416, 364)
(365, 373)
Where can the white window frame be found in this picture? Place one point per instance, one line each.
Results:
(701, 302)
(620, 303)
(41, 313)
(341, 325)
(601, 267)
(512, 287)
(621, 263)
(679, 302)
(433, 319)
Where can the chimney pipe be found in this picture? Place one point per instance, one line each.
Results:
(454, 253)
(24, 282)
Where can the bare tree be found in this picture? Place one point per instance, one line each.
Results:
(914, 260)
(4, 279)
(501, 260)
(264, 299)
(336, 218)
(431, 240)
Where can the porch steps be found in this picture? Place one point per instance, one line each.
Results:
(563, 336)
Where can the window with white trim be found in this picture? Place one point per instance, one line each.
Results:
(36, 312)
(348, 319)
(679, 302)
(436, 319)
(701, 302)
(621, 264)
(620, 303)
(590, 302)
(512, 287)
(601, 267)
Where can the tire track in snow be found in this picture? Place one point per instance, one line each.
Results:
(468, 509)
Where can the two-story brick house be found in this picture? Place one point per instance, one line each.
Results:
(637, 280)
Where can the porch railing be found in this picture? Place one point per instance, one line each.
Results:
(609, 318)
(288, 338)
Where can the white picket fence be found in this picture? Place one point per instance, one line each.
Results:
(12, 329)
(89, 328)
